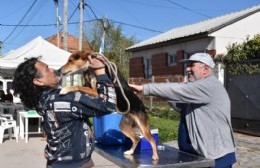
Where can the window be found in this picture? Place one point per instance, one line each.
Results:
(1, 85)
(147, 67)
(172, 60)
(9, 85)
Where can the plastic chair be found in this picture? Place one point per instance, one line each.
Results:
(6, 123)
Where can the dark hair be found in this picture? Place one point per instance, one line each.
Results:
(23, 83)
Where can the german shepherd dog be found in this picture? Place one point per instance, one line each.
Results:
(135, 118)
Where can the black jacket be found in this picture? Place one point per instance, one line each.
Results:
(65, 121)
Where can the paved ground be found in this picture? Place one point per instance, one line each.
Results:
(30, 155)
(248, 150)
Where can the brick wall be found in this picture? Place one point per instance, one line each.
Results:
(136, 66)
(159, 65)
(160, 69)
(180, 67)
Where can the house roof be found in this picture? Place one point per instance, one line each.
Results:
(72, 42)
(196, 29)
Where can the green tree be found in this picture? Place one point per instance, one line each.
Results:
(115, 43)
(243, 58)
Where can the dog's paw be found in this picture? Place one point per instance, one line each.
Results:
(155, 157)
(129, 152)
(63, 91)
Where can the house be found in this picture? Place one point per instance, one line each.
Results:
(72, 42)
(159, 56)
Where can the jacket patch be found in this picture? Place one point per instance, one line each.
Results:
(74, 109)
(77, 96)
(62, 106)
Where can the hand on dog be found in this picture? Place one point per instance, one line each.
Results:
(136, 88)
(97, 64)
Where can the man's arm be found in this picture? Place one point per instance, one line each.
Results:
(193, 92)
(105, 102)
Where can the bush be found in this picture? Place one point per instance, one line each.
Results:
(243, 59)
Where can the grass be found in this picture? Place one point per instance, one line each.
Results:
(168, 128)
(163, 117)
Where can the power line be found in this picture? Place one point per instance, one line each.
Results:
(33, 14)
(68, 19)
(188, 9)
(86, 21)
(125, 10)
(97, 19)
(92, 11)
(73, 13)
(20, 21)
(27, 25)
(149, 4)
(119, 22)
(101, 20)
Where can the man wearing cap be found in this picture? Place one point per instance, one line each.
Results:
(205, 126)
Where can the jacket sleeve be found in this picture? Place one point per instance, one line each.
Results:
(105, 103)
(191, 92)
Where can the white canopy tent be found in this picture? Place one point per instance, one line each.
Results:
(53, 56)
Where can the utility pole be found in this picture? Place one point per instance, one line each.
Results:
(102, 45)
(81, 8)
(185, 67)
(65, 23)
(57, 22)
(1, 46)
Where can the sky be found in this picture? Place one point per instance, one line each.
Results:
(23, 20)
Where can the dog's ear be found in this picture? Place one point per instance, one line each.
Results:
(84, 55)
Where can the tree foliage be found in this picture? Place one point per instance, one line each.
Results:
(243, 58)
(115, 43)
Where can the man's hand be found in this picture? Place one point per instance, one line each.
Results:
(97, 64)
(136, 88)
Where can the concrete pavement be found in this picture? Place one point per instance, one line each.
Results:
(30, 155)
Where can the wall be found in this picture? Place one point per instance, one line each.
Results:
(237, 32)
(159, 57)
(136, 67)
(216, 43)
(190, 46)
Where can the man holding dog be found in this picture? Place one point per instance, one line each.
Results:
(205, 126)
(65, 117)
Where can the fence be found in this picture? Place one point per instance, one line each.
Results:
(244, 92)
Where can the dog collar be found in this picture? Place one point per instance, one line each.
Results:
(75, 79)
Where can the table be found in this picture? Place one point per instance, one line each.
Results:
(23, 121)
(168, 157)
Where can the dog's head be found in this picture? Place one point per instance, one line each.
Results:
(77, 61)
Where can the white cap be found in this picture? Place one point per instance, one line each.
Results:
(201, 57)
